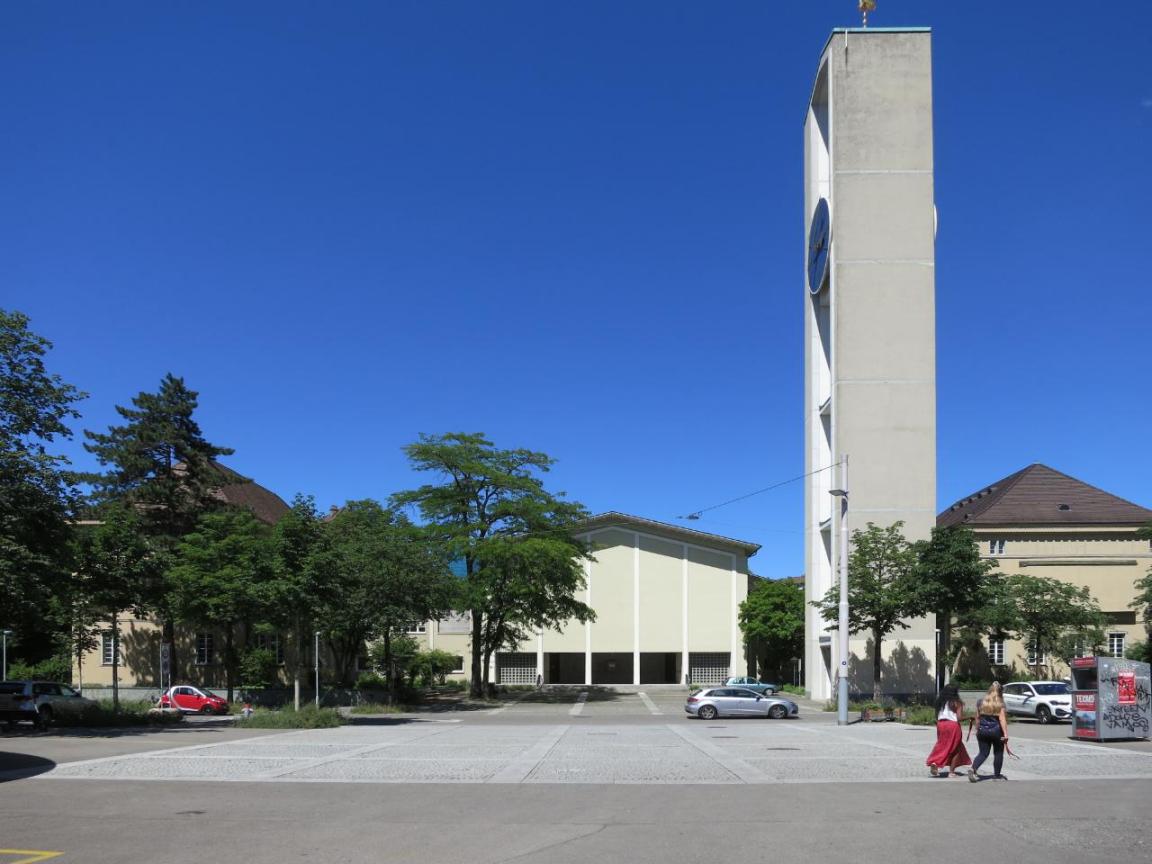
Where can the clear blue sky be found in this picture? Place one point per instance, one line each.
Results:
(576, 227)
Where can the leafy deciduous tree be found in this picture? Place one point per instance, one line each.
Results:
(223, 577)
(772, 620)
(37, 495)
(952, 580)
(385, 574)
(522, 558)
(881, 589)
(117, 571)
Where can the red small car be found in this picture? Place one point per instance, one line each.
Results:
(193, 700)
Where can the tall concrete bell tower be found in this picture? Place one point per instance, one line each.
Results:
(869, 322)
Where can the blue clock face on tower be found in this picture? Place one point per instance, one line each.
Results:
(819, 240)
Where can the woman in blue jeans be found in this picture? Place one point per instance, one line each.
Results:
(991, 732)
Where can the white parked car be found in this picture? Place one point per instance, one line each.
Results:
(1044, 700)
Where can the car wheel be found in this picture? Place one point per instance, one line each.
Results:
(707, 712)
(206, 709)
(777, 712)
(44, 718)
(1043, 714)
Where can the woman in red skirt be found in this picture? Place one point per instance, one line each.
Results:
(949, 752)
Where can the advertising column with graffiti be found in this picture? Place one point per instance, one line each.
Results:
(1112, 698)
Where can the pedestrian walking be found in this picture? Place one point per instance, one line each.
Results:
(991, 732)
(949, 753)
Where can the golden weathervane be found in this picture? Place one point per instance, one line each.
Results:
(866, 6)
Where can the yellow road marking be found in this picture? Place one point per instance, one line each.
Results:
(31, 856)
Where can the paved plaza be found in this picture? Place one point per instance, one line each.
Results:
(552, 778)
(629, 738)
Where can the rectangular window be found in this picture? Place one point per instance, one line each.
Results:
(271, 642)
(1035, 658)
(456, 623)
(1116, 644)
(996, 652)
(106, 650)
(458, 666)
(417, 627)
(205, 649)
(995, 547)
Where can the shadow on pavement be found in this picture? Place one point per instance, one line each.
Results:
(17, 766)
(568, 695)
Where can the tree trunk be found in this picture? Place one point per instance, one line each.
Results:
(229, 661)
(877, 665)
(389, 667)
(487, 667)
(944, 625)
(115, 664)
(476, 686)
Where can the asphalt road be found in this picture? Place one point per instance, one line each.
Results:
(883, 805)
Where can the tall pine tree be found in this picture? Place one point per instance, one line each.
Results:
(160, 464)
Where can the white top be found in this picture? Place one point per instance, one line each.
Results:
(946, 713)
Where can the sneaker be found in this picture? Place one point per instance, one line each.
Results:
(933, 770)
(973, 777)
(999, 777)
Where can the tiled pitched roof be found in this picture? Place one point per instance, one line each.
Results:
(265, 505)
(1039, 495)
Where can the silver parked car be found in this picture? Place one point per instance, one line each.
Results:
(737, 702)
(41, 703)
(750, 683)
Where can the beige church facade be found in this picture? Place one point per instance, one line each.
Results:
(1041, 522)
(666, 600)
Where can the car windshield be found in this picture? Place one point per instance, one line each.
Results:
(1051, 689)
(209, 693)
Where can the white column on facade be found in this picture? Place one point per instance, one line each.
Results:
(737, 654)
(636, 608)
(431, 629)
(684, 611)
(588, 626)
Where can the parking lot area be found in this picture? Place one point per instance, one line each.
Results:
(556, 777)
(590, 737)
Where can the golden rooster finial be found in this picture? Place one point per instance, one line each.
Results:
(866, 6)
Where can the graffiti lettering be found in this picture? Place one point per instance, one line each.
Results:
(1127, 717)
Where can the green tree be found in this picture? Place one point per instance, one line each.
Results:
(1053, 617)
(159, 462)
(385, 575)
(952, 580)
(881, 589)
(117, 572)
(223, 578)
(518, 543)
(37, 494)
(301, 589)
(772, 620)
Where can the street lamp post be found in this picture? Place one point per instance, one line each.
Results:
(316, 660)
(842, 672)
(7, 633)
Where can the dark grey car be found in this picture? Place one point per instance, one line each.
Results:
(738, 702)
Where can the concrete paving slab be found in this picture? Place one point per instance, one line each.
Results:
(678, 752)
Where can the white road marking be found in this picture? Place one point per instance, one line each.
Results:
(521, 766)
(651, 705)
(732, 764)
(578, 709)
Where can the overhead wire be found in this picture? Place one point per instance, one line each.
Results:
(695, 514)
